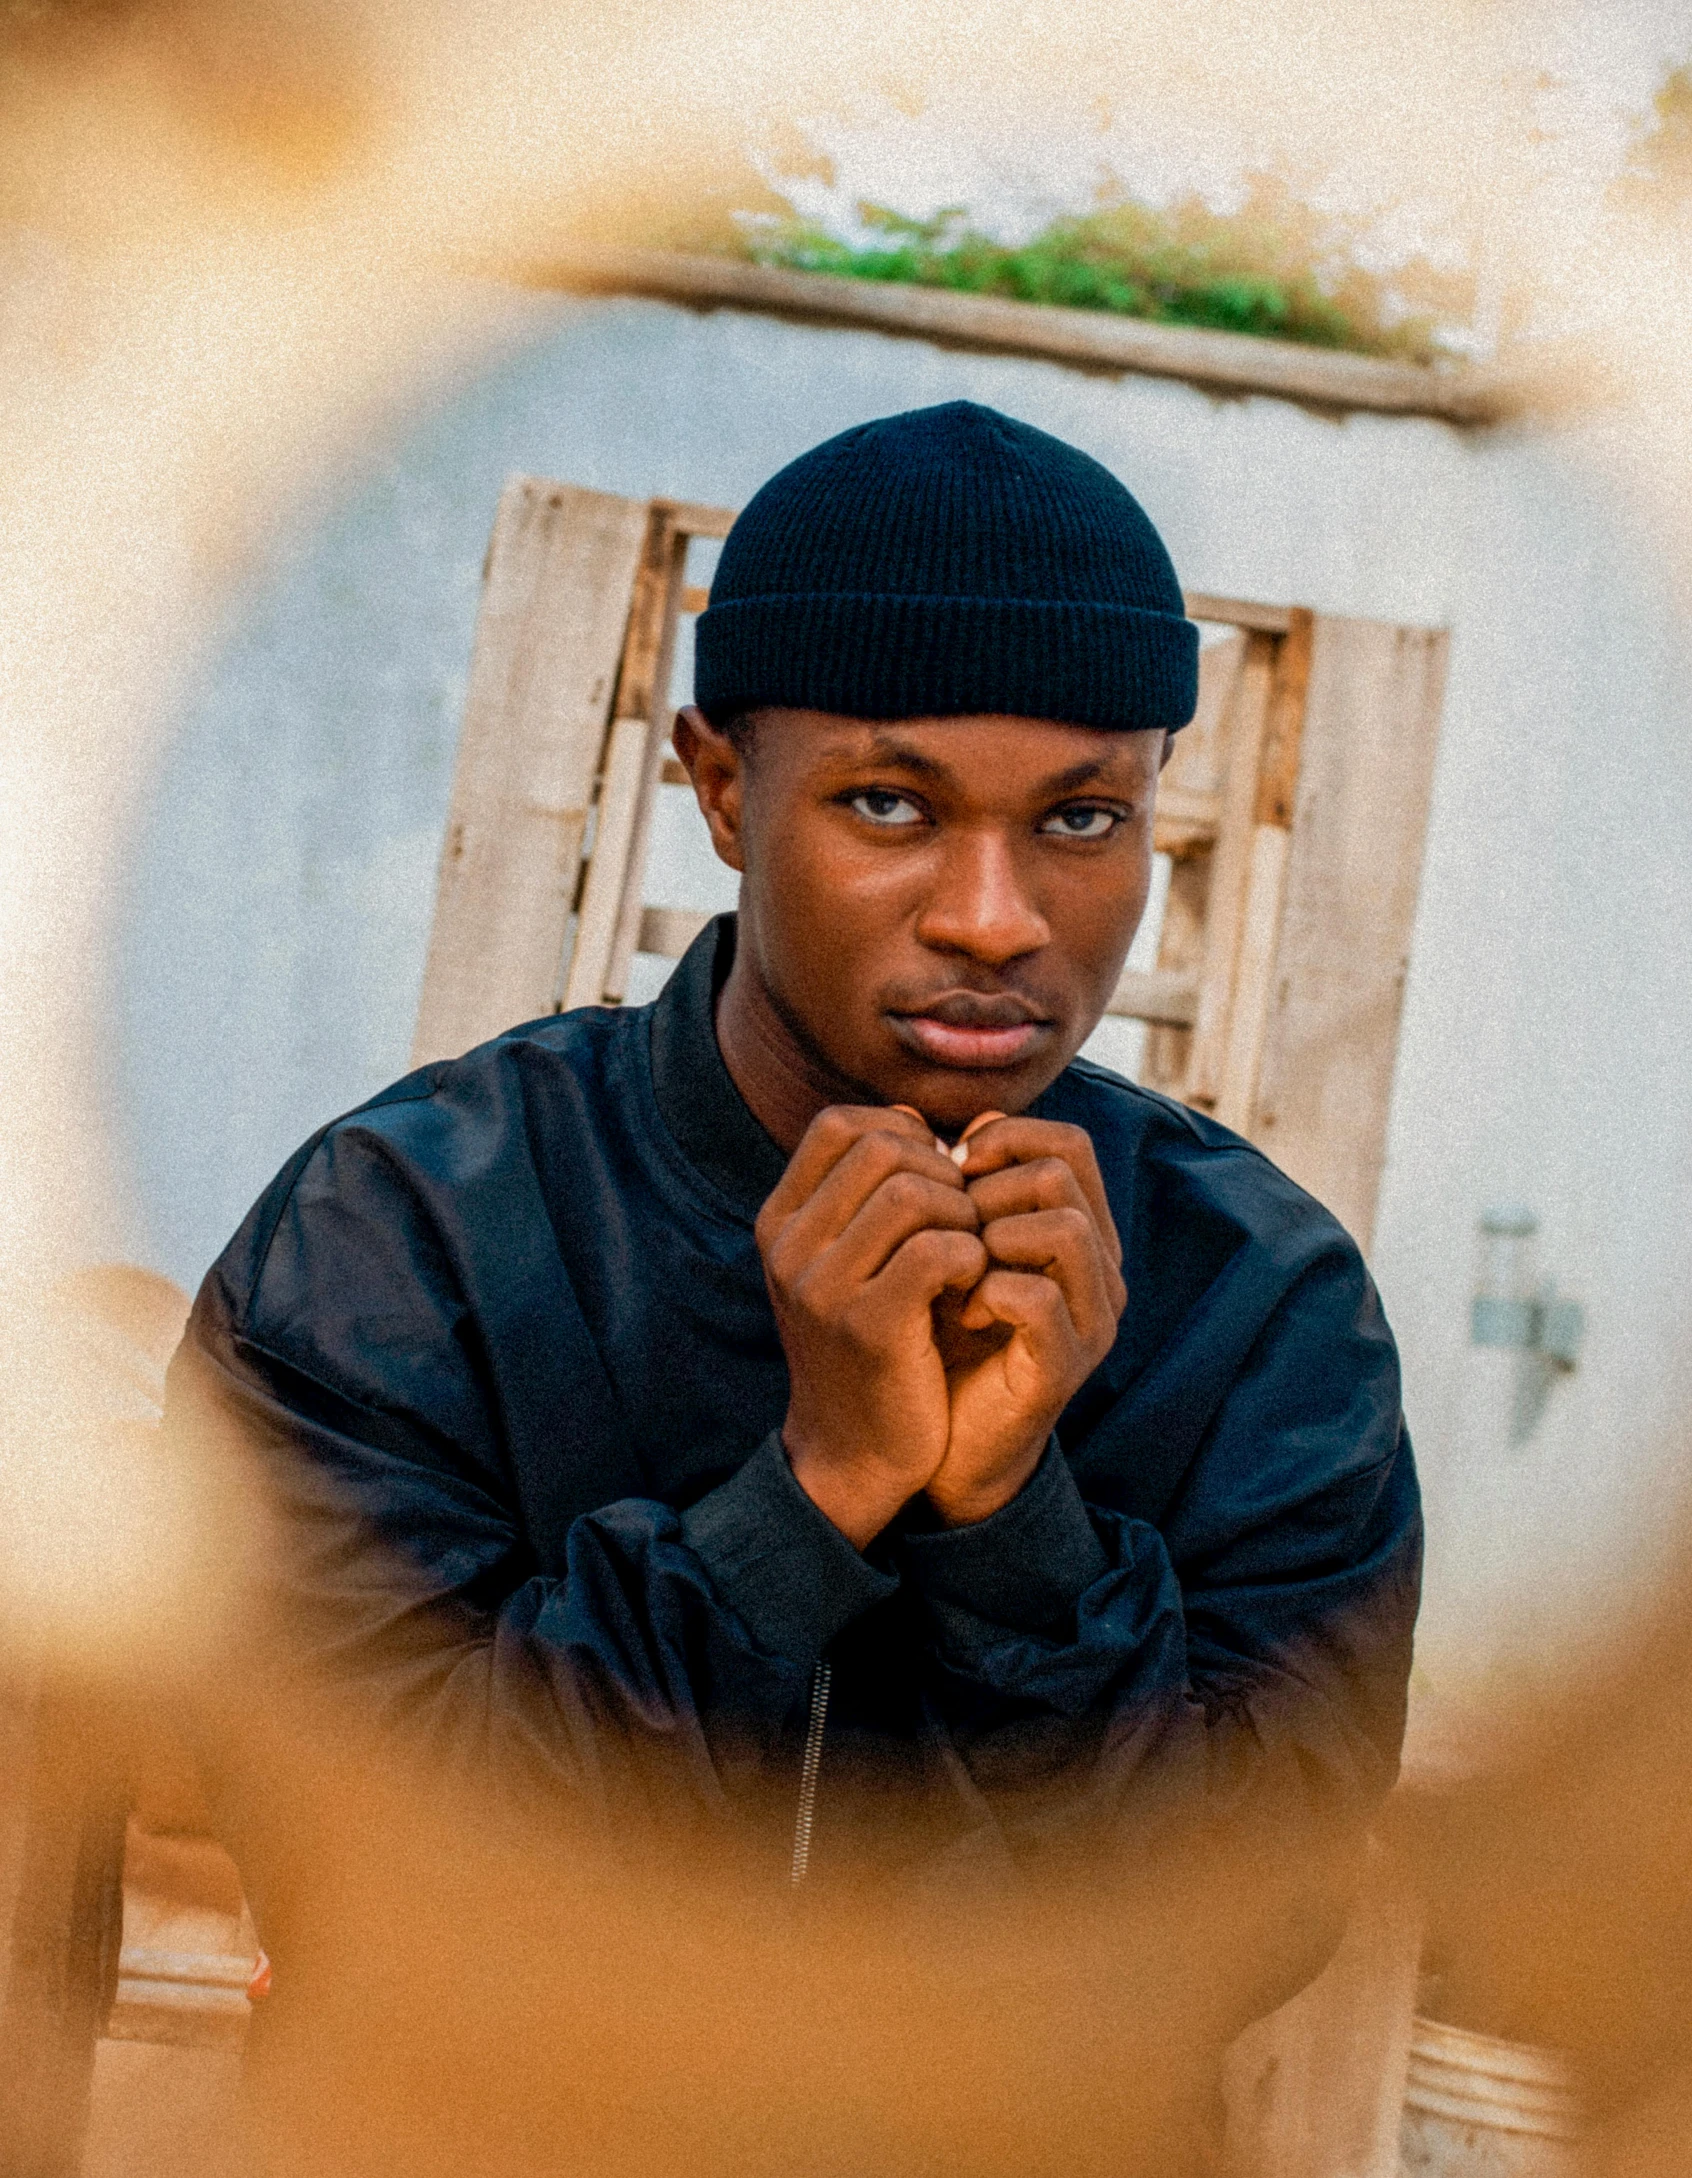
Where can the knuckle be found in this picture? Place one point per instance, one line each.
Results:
(1050, 1181)
(904, 1194)
(880, 1152)
(856, 1320)
(855, 1326)
(834, 1127)
(933, 1250)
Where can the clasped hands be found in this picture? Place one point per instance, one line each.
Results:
(937, 1318)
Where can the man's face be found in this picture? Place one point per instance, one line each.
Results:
(937, 909)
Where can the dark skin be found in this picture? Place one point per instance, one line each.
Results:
(933, 915)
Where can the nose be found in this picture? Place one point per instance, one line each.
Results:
(980, 903)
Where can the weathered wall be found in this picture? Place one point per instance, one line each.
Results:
(269, 968)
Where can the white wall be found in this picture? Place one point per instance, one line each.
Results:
(269, 967)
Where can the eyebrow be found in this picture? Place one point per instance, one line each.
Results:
(887, 749)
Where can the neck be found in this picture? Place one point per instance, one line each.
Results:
(785, 1082)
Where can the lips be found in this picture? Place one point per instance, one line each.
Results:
(972, 1032)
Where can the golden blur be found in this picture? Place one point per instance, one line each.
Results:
(233, 241)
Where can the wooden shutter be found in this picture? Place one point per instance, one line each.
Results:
(1293, 810)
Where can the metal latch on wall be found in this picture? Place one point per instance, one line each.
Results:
(1513, 1308)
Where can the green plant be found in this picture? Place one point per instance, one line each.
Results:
(1276, 268)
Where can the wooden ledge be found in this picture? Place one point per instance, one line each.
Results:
(1095, 340)
(193, 1999)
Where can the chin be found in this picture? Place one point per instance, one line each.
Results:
(949, 1099)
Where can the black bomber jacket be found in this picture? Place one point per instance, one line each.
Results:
(502, 1341)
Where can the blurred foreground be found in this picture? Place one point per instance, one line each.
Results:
(474, 1989)
(225, 234)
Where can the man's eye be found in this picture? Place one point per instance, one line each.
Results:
(1085, 821)
(881, 806)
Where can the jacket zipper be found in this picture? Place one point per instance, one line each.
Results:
(808, 1771)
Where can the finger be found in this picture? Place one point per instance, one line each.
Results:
(1031, 1304)
(1021, 1141)
(1065, 1245)
(928, 1264)
(829, 1140)
(1046, 1184)
(926, 1190)
(905, 1203)
(957, 1152)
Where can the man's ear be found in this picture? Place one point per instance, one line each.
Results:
(1168, 750)
(718, 772)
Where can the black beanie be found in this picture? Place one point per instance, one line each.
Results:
(946, 561)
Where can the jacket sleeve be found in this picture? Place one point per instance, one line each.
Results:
(1245, 1662)
(331, 1347)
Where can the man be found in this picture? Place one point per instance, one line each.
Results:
(818, 1407)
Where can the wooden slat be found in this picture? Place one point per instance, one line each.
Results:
(640, 669)
(1229, 611)
(1365, 777)
(1277, 785)
(1188, 813)
(1230, 871)
(643, 693)
(1316, 2090)
(1141, 995)
(697, 521)
(194, 2000)
(608, 868)
(62, 1806)
(1248, 1005)
(187, 1969)
(668, 932)
(1277, 774)
(1189, 794)
(1165, 995)
(1092, 339)
(1184, 820)
(555, 604)
(1180, 951)
(1239, 612)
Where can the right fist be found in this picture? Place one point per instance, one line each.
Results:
(867, 1228)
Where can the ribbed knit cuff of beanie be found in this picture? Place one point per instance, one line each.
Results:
(944, 562)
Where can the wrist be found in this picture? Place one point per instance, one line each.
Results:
(962, 1504)
(859, 1501)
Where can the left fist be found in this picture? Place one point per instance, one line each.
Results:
(1041, 1318)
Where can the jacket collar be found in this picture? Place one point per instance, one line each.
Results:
(709, 1118)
